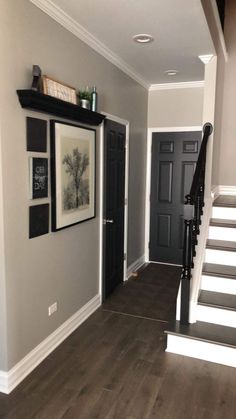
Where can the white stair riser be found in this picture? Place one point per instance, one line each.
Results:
(224, 213)
(222, 233)
(216, 315)
(201, 350)
(216, 284)
(220, 257)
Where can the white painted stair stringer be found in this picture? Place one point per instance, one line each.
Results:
(220, 257)
(198, 262)
(216, 315)
(199, 349)
(222, 233)
(218, 284)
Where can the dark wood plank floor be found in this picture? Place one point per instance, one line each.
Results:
(152, 294)
(114, 367)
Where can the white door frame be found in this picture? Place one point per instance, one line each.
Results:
(148, 176)
(101, 189)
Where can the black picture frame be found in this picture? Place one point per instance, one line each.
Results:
(38, 220)
(38, 177)
(73, 174)
(36, 134)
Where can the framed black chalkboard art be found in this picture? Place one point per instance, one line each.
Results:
(38, 177)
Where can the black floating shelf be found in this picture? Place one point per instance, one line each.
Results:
(36, 101)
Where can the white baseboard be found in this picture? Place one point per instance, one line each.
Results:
(10, 379)
(135, 266)
(227, 190)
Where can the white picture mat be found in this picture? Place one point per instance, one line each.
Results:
(72, 134)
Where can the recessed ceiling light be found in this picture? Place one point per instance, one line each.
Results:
(171, 72)
(143, 38)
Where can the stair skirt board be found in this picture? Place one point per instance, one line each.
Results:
(224, 213)
(222, 233)
(216, 315)
(199, 349)
(218, 284)
(221, 257)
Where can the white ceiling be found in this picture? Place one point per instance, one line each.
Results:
(178, 26)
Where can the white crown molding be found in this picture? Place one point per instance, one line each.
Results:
(80, 32)
(175, 129)
(219, 28)
(10, 379)
(180, 85)
(205, 59)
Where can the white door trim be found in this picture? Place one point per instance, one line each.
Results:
(101, 188)
(148, 176)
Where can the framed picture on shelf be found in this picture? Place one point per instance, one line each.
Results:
(59, 90)
(72, 174)
(38, 177)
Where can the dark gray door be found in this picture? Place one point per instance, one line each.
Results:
(174, 157)
(114, 201)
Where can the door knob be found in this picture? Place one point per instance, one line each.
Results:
(108, 221)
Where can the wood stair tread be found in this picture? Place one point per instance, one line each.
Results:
(225, 271)
(203, 331)
(218, 222)
(221, 245)
(225, 201)
(217, 300)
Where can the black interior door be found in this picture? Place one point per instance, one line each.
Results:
(114, 201)
(174, 157)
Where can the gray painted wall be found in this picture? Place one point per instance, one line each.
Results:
(164, 109)
(60, 266)
(227, 154)
(224, 152)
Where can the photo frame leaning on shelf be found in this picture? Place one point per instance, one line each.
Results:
(59, 90)
(72, 174)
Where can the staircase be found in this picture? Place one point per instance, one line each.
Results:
(213, 336)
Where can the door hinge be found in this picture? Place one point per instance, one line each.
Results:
(126, 201)
(125, 256)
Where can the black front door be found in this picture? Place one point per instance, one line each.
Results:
(174, 157)
(114, 201)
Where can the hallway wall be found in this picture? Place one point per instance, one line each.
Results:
(61, 266)
(227, 173)
(224, 151)
(175, 107)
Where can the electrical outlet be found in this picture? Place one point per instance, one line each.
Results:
(52, 309)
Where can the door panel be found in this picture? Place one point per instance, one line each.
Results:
(174, 157)
(165, 181)
(114, 188)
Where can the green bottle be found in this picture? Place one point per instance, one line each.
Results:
(94, 97)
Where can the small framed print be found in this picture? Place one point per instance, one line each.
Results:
(59, 90)
(38, 177)
(38, 220)
(36, 130)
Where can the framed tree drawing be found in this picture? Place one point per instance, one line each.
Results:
(73, 174)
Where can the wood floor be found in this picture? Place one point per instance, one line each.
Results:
(115, 366)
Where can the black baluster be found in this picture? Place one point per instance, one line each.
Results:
(187, 261)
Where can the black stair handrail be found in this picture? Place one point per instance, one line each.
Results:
(193, 210)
